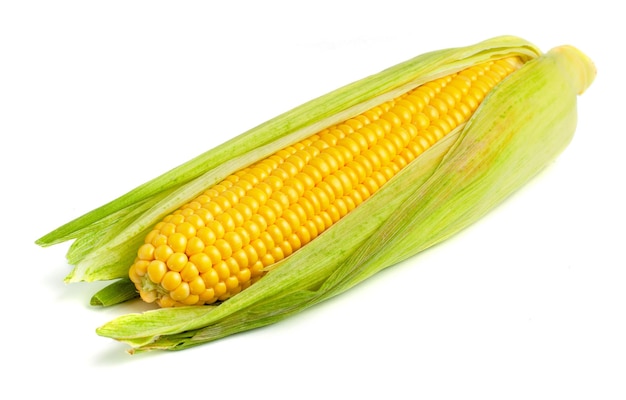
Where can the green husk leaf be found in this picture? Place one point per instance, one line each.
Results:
(117, 292)
(523, 124)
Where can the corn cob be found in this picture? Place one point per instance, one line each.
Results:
(224, 240)
(264, 226)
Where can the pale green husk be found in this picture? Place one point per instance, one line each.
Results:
(524, 123)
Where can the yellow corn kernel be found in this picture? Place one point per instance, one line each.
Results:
(225, 239)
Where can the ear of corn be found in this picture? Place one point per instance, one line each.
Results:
(522, 124)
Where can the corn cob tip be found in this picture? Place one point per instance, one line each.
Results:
(578, 64)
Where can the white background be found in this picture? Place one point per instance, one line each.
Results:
(97, 97)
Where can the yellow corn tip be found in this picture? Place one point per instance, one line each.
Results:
(224, 240)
